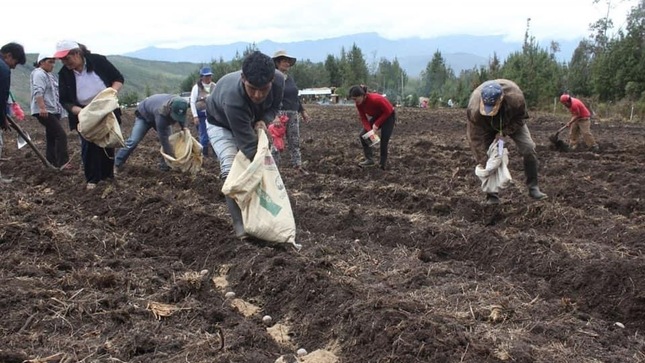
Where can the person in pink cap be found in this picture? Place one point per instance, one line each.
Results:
(84, 75)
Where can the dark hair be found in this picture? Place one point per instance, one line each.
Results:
(258, 68)
(357, 91)
(16, 50)
(83, 49)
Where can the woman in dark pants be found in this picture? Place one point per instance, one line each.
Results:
(382, 117)
(46, 108)
(83, 76)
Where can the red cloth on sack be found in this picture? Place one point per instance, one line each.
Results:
(277, 132)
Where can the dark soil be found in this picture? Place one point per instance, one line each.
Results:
(403, 265)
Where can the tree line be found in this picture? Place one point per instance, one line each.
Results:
(604, 71)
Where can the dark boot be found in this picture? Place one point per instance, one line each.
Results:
(236, 216)
(531, 172)
(492, 199)
(369, 156)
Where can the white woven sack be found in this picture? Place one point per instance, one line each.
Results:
(258, 189)
(495, 175)
(97, 122)
(188, 153)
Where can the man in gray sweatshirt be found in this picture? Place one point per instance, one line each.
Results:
(158, 112)
(242, 102)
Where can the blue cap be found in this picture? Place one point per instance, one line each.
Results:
(491, 98)
(206, 71)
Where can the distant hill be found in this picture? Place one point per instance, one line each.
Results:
(460, 51)
(141, 76)
(162, 70)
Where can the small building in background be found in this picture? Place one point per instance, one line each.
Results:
(320, 95)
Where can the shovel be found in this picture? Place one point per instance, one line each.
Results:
(559, 144)
(26, 138)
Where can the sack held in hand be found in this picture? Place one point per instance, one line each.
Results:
(97, 122)
(259, 191)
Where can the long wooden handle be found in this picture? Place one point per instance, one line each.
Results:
(22, 134)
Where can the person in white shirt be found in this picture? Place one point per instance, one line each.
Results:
(200, 91)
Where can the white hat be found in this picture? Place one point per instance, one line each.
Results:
(283, 54)
(44, 55)
(63, 47)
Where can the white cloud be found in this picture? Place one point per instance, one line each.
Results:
(122, 26)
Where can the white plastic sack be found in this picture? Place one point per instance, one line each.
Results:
(258, 189)
(495, 175)
(98, 124)
(188, 153)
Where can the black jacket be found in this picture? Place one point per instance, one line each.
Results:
(96, 63)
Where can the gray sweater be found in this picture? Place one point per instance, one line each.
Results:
(156, 113)
(44, 84)
(230, 107)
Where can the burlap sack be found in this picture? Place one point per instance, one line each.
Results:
(495, 175)
(98, 124)
(258, 189)
(188, 153)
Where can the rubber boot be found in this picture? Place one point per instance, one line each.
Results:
(369, 156)
(236, 216)
(492, 199)
(531, 172)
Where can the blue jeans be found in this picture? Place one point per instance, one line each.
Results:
(139, 131)
(202, 131)
(223, 143)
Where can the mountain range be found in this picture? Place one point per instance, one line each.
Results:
(459, 51)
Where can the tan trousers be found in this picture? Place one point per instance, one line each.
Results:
(582, 128)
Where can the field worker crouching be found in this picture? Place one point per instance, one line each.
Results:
(497, 108)
(242, 102)
(580, 123)
(158, 112)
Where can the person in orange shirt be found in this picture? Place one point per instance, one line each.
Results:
(580, 123)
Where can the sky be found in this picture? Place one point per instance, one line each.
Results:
(121, 26)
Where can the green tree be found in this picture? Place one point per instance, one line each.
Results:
(308, 74)
(535, 70)
(577, 79)
(129, 98)
(435, 78)
(355, 70)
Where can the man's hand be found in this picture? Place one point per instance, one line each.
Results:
(196, 121)
(261, 125)
(305, 116)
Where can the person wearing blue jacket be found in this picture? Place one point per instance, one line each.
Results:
(159, 112)
(11, 54)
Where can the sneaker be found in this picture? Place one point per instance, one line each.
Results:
(90, 186)
(118, 169)
(301, 170)
(366, 163)
(5, 180)
(595, 149)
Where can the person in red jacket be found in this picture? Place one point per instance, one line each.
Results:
(580, 123)
(381, 117)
